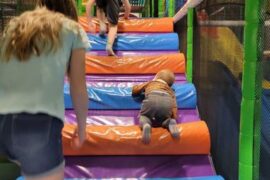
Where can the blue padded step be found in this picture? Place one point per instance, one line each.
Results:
(120, 97)
(137, 42)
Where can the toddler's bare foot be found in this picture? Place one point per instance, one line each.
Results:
(110, 51)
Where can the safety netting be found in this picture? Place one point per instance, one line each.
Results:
(217, 72)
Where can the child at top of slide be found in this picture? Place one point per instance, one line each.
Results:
(107, 10)
(159, 107)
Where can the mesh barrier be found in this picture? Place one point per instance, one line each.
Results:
(12, 8)
(8, 10)
(218, 61)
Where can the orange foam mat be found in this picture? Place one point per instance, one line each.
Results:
(134, 64)
(136, 25)
(126, 140)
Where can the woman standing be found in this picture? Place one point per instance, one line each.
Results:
(37, 49)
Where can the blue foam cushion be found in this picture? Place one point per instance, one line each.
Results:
(120, 97)
(137, 42)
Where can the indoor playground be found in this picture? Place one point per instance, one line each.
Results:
(219, 51)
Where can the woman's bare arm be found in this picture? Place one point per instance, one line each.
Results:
(78, 90)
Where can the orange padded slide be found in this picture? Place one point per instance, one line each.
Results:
(137, 25)
(135, 64)
(126, 140)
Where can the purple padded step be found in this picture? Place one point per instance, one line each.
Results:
(132, 53)
(124, 117)
(128, 78)
(138, 166)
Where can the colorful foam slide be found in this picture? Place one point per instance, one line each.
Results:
(137, 42)
(135, 64)
(124, 117)
(119, 78)
(190, 178)
(132, 53)
(118, 84)
(176, 178)
(120, 97)
(100, 81)
(152, 25)
(126, 140)
(137, 166)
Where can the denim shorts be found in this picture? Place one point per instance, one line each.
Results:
(111, 9)
(32, 140)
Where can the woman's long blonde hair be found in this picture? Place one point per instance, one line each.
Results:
(32, 33)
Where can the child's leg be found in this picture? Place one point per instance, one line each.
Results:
(111, 37)
(145, 124)
(173, 129)
(112, 12)
(102, 21)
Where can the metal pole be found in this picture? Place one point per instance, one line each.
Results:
(225, 23)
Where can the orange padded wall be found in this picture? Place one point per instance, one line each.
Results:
(135, 64)
(137, 25)
(126, 140)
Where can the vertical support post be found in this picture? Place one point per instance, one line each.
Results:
(171, 8)
(79, 7)
(161, 8)
(190, 44)
(249, 144)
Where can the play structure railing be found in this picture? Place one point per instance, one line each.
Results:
(250, 121)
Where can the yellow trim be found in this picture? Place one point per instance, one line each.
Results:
(266, 84)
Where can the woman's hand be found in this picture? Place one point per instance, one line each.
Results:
(78, 91)
(78, 138)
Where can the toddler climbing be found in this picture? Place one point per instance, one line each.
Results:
(159, 107)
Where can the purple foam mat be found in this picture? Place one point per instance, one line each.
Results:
(128, 78)
(138, 166)
(132, 53)
(124, 117)
(117, 84)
